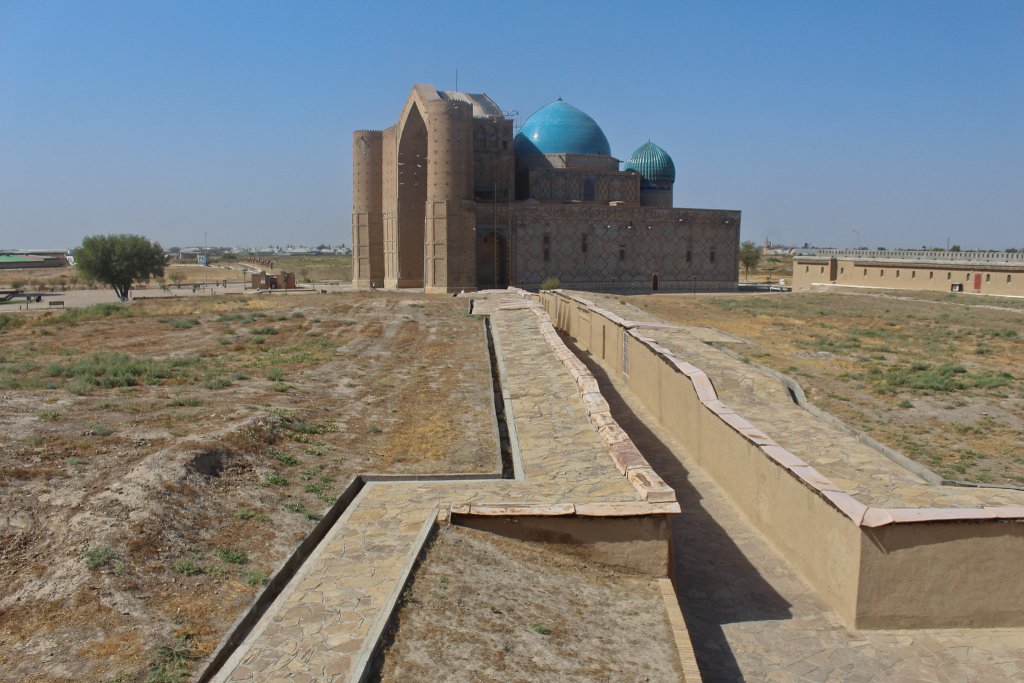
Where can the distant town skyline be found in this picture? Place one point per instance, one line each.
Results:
(896, 124)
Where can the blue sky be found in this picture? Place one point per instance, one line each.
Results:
(903, 121)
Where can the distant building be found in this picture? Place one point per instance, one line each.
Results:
(447, 199)
(981, 272)
(35, 259)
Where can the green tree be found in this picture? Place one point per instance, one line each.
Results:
(750, 256)
(120, 260)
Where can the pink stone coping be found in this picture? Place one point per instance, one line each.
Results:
(859, 513)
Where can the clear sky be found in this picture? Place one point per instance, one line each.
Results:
(903, 121)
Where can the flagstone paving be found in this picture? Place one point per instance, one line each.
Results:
(329, 614)
(860, 470)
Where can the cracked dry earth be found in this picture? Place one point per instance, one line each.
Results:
(161, 459)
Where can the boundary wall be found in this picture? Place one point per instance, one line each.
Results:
(877, 567)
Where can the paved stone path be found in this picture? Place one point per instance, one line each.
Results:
(860, 470)
(323, 626)
(752, 618)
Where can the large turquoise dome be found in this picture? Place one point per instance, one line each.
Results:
(560, 128)
(652, 163)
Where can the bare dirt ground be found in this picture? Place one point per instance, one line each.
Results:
(161, 459)
(937, 377)
(484, 608)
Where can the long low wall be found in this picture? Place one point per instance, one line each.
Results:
(878, 568)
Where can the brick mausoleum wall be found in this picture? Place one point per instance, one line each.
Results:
(626, 247)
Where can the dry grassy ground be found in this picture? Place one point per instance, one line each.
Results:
(315, 268)
(161, 459)
(937, 377)
(487, 609)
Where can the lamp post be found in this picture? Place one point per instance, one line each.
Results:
(206, 260)
(856, 232)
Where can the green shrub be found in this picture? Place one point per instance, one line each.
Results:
(108, 370)
(255, 577)
(10, 322)
(187, 567)
(73, 316)
(551, 283)
(99, 556)
(232, 556)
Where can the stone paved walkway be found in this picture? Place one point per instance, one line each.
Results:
(328, 616)
(752, 618)
(860, 470)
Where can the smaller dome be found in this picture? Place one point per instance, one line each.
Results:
(652, 163)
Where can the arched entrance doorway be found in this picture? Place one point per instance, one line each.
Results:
(492, 261)
(412, 199)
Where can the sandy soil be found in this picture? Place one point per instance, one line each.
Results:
(484, 608)
(140, 519)
(937, 377)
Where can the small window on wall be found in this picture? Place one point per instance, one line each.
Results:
(807, 269)
(949, 276)
(842, 269)
(822, 270)
(913, 275)
(881, 273)
(588, 189)
(897, 273)
(1008, 279)
(583, 242)
(622, 252)
(547, 247)
(712, 255)
(967, 277)
(689, 256)
(931, 275)
(988, 277)
(865, 272)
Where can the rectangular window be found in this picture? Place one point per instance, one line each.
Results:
(1007, 279)
(897, 273)
(547, 247)
(622, 252)
(689, 256)
(988, 277)
(931, 274)
(588, 189)
(712, 255)
(822, 269)
(583, 242)
(842, 269)
(881, 273)
(913, 275)
(949, 276)
(865, 272)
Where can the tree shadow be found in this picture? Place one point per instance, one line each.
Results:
(715, 583)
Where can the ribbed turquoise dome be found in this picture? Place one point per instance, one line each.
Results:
(652, 163)
(560, 128)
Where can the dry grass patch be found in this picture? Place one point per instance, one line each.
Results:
(153, 477)
(485, 608)
(931, 376)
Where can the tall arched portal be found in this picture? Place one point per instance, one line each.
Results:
(412, 198)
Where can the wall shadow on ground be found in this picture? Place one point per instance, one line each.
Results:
(715, 583)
